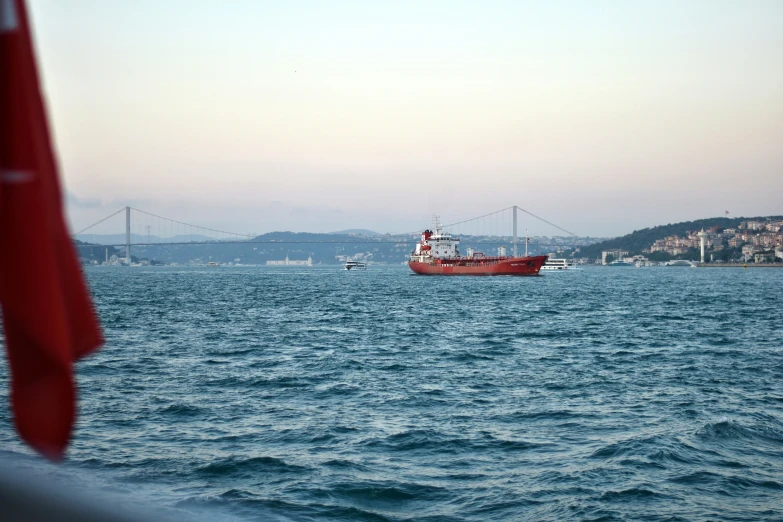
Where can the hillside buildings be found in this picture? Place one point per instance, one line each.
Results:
(758, 240)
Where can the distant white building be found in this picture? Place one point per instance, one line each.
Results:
(755, 225)
(289, 262)
(115, 261)
(617, 254)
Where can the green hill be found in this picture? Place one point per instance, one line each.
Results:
(638, 240)
(92, 251)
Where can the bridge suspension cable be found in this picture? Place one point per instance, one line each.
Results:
(547, 222)
(166, 225)
(99, 222)
(194, 226)
(478, 217)
(497, 228)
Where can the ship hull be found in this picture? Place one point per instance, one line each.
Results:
(510, 266)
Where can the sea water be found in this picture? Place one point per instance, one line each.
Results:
(296, 393)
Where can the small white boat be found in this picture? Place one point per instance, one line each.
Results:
(557, 264)
(355, 265)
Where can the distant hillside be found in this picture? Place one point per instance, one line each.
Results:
(94, 252)
(357, 232)
(306, 237)
(638, 240)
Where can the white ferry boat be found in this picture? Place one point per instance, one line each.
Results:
(355, 265)
(557, 264)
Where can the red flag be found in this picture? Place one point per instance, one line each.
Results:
(48, 317)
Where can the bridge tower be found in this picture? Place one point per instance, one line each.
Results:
(127, 235)
(514, 239)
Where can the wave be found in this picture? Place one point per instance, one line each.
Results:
(471, 356)
(632, 494)
(216, 362)
(680, 454)
(253, 465)
(257, 382)
(396, 367)
(181, 410)
(420, 440)
(697, 478)
(522, 445)
(437, 443)
(339, 389)
(729, 430)
(745, 483)
(549, 415)
(656, 448)
(641, 463)
(382, 492)
(343, 464)
(233, 351)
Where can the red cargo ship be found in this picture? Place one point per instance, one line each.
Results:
(437, 254)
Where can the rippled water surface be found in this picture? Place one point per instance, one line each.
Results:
(318, 394)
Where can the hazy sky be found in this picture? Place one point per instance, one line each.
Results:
(255, 116)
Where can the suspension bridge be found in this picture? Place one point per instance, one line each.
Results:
(146, 229)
